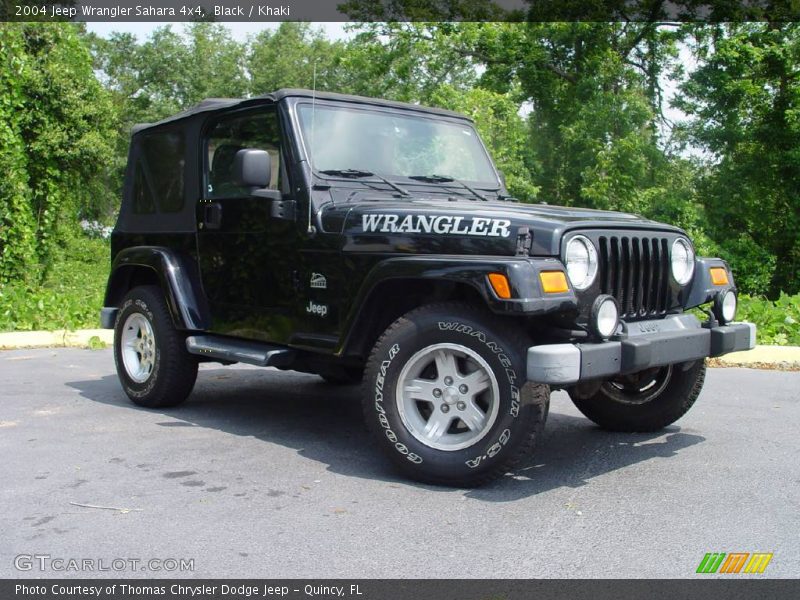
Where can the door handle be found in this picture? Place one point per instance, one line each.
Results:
(212, 215)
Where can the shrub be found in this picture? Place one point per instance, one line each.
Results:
(71, 295)
(778, 321)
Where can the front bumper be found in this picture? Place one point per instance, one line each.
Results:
(674, 339)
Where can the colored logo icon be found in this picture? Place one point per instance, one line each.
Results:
(734, 562)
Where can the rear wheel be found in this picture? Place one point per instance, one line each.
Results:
(446, 397)
(153, 366)
(645, 401)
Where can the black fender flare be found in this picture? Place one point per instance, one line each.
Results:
(527, 297)
(176, 275)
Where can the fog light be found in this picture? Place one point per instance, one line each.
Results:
(725, 307)
(604, 317)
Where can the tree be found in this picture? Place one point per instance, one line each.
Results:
(170, 71)
(408, 62)
(288, 57)
(56, 124)
(744, 104)
(594, 92)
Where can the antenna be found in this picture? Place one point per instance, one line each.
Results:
(311, 229)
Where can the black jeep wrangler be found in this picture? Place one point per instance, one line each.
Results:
(371, 241)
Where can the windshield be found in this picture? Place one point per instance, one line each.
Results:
(393, 144)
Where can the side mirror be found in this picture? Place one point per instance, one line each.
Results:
(252, 168)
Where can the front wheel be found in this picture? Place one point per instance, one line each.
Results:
(446, 396)
(645, 401)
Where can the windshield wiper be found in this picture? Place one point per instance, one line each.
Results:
(447, 179)
(359, 173)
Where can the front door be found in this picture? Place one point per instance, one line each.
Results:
(246, 257)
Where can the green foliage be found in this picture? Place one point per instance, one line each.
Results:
(171, 70)
(69, 298)
(408, 62)
(55, 125)
(744, 98)
(289, 56)
(778, 321)
(95, 343)
(422, 10)
(17, 225)
(594, 92)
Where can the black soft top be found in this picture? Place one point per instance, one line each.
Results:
(212, 104)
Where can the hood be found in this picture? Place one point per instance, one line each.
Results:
(462, 226)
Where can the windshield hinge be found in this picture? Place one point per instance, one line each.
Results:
(524, 241)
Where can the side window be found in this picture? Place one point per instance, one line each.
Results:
(164, 155)
(159, 175)
(257, 130)
(142, 196)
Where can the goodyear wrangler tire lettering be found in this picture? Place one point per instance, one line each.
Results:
(428, 419)
(461, 328)
(384, 422)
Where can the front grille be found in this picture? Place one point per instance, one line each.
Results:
(635, 270)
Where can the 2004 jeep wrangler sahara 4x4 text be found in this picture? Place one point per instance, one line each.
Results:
(371, 241)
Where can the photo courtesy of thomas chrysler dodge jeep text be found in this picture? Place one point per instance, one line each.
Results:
(371, 241)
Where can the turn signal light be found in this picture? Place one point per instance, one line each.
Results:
(553, 282)
(500, 285)
(719, 275)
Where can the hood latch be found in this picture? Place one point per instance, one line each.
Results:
(524, 241)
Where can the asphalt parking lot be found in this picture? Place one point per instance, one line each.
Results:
(271, 474)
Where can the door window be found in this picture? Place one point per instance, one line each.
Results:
(254, 130)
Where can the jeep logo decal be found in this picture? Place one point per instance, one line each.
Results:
(440, 224)
(317, 309)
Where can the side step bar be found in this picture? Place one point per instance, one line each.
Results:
(253, 353)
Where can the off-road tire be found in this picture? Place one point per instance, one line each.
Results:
(678, 396)
(174, 370)
(522, 407)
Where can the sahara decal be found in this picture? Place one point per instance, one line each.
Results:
(319, 281)
(441, 224)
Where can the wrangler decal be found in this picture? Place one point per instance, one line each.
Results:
(439, 224)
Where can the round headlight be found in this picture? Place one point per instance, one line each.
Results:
(725, 307)
(604, 316)
(682, 261)
(581, 262)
